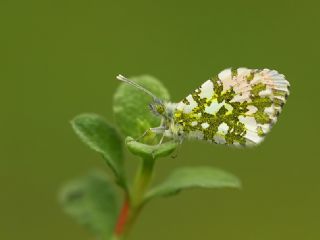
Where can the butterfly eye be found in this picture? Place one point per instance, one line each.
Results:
(160, 109)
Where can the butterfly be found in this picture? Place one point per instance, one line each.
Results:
(236, 107)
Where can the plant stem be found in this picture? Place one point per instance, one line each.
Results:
(142, 180)
(132, 206)
(122, 217)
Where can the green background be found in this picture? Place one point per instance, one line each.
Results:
(59, 58)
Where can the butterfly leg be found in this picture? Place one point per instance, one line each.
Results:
(143, 135)
(157, 130)
(161, 140)
(176, 153)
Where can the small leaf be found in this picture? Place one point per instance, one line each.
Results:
(191, 177)
(131, 109)
(94, 131)
(150, 151)
(92, 201)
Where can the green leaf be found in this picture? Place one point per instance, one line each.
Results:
(131, 109)
(92, 202)
(191, 177)
(150, 151)
(95, 132)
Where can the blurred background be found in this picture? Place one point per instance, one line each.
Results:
(59, 58)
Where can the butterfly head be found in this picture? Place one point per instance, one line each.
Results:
(158, 107)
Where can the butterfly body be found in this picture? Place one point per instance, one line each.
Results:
(236, 107)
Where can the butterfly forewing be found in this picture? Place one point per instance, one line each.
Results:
(239, 106)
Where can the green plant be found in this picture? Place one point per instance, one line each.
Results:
(93, 200)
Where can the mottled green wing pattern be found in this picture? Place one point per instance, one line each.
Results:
(239, 106)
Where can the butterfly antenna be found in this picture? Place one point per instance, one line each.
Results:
(136, 85)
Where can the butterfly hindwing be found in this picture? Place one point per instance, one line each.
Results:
(239, 106)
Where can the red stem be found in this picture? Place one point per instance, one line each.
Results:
(123, 217)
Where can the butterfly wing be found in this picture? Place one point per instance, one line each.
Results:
(239, 106)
